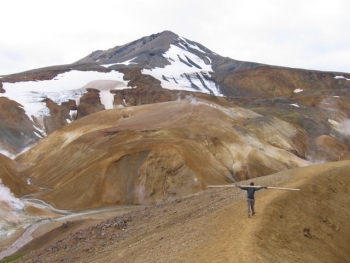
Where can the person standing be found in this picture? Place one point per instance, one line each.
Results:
(250, 196)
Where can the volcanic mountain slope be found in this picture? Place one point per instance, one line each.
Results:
(9, 176)
(310, 225)
(160, 118)
(150, 153)
(143, 72)
(167, 150)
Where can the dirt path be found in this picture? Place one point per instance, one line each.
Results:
(310, 225)
(210, 227)
(234, 240)
(306, 226)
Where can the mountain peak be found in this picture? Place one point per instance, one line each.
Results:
(165, 33)
(146, 52)
(176, 62)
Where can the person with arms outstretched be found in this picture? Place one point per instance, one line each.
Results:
(250, 196)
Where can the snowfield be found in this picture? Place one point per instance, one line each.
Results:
(66, 86)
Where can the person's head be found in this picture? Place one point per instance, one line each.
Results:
(251, 183)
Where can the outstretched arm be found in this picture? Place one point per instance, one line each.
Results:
(261, 187)
(242, 187)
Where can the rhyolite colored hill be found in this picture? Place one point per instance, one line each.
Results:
(154, 122)
(162, 117)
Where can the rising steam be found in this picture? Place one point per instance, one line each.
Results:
(10, 209)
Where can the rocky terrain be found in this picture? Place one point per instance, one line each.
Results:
(310, 225)
(140, 130)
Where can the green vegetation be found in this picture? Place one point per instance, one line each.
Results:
(11, 258)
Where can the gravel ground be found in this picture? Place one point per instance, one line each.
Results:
(166, 230)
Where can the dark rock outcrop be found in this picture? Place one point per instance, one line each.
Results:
(90, 103)
(59, 115)
(17, 131)
(1, 89)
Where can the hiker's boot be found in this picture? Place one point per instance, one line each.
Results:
(253, 213)
(248, 214)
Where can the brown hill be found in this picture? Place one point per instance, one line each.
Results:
(272, 82)
(310, 225)
(151, 153)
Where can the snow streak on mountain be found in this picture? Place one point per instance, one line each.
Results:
(185, 72)
(179, 64)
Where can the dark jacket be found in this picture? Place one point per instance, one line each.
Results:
(250, 191)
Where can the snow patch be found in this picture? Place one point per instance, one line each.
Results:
(334, 123)
(6, 153)
(128, 62)
(73, 114)
(42, 132)
(38, 134)
(183, 46)
(64, 87)
(343, 127)
(193, 46)
(185, 72)
(107, 99)
(340, 77)
(298, 90)
(295, 105)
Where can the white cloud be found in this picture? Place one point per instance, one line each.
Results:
(305, 34)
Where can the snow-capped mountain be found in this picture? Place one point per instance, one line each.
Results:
(208, 120)
(37, 102)
(176, 62)
(51, 97)
(179, 64)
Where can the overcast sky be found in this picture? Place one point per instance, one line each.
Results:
(310, 34)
